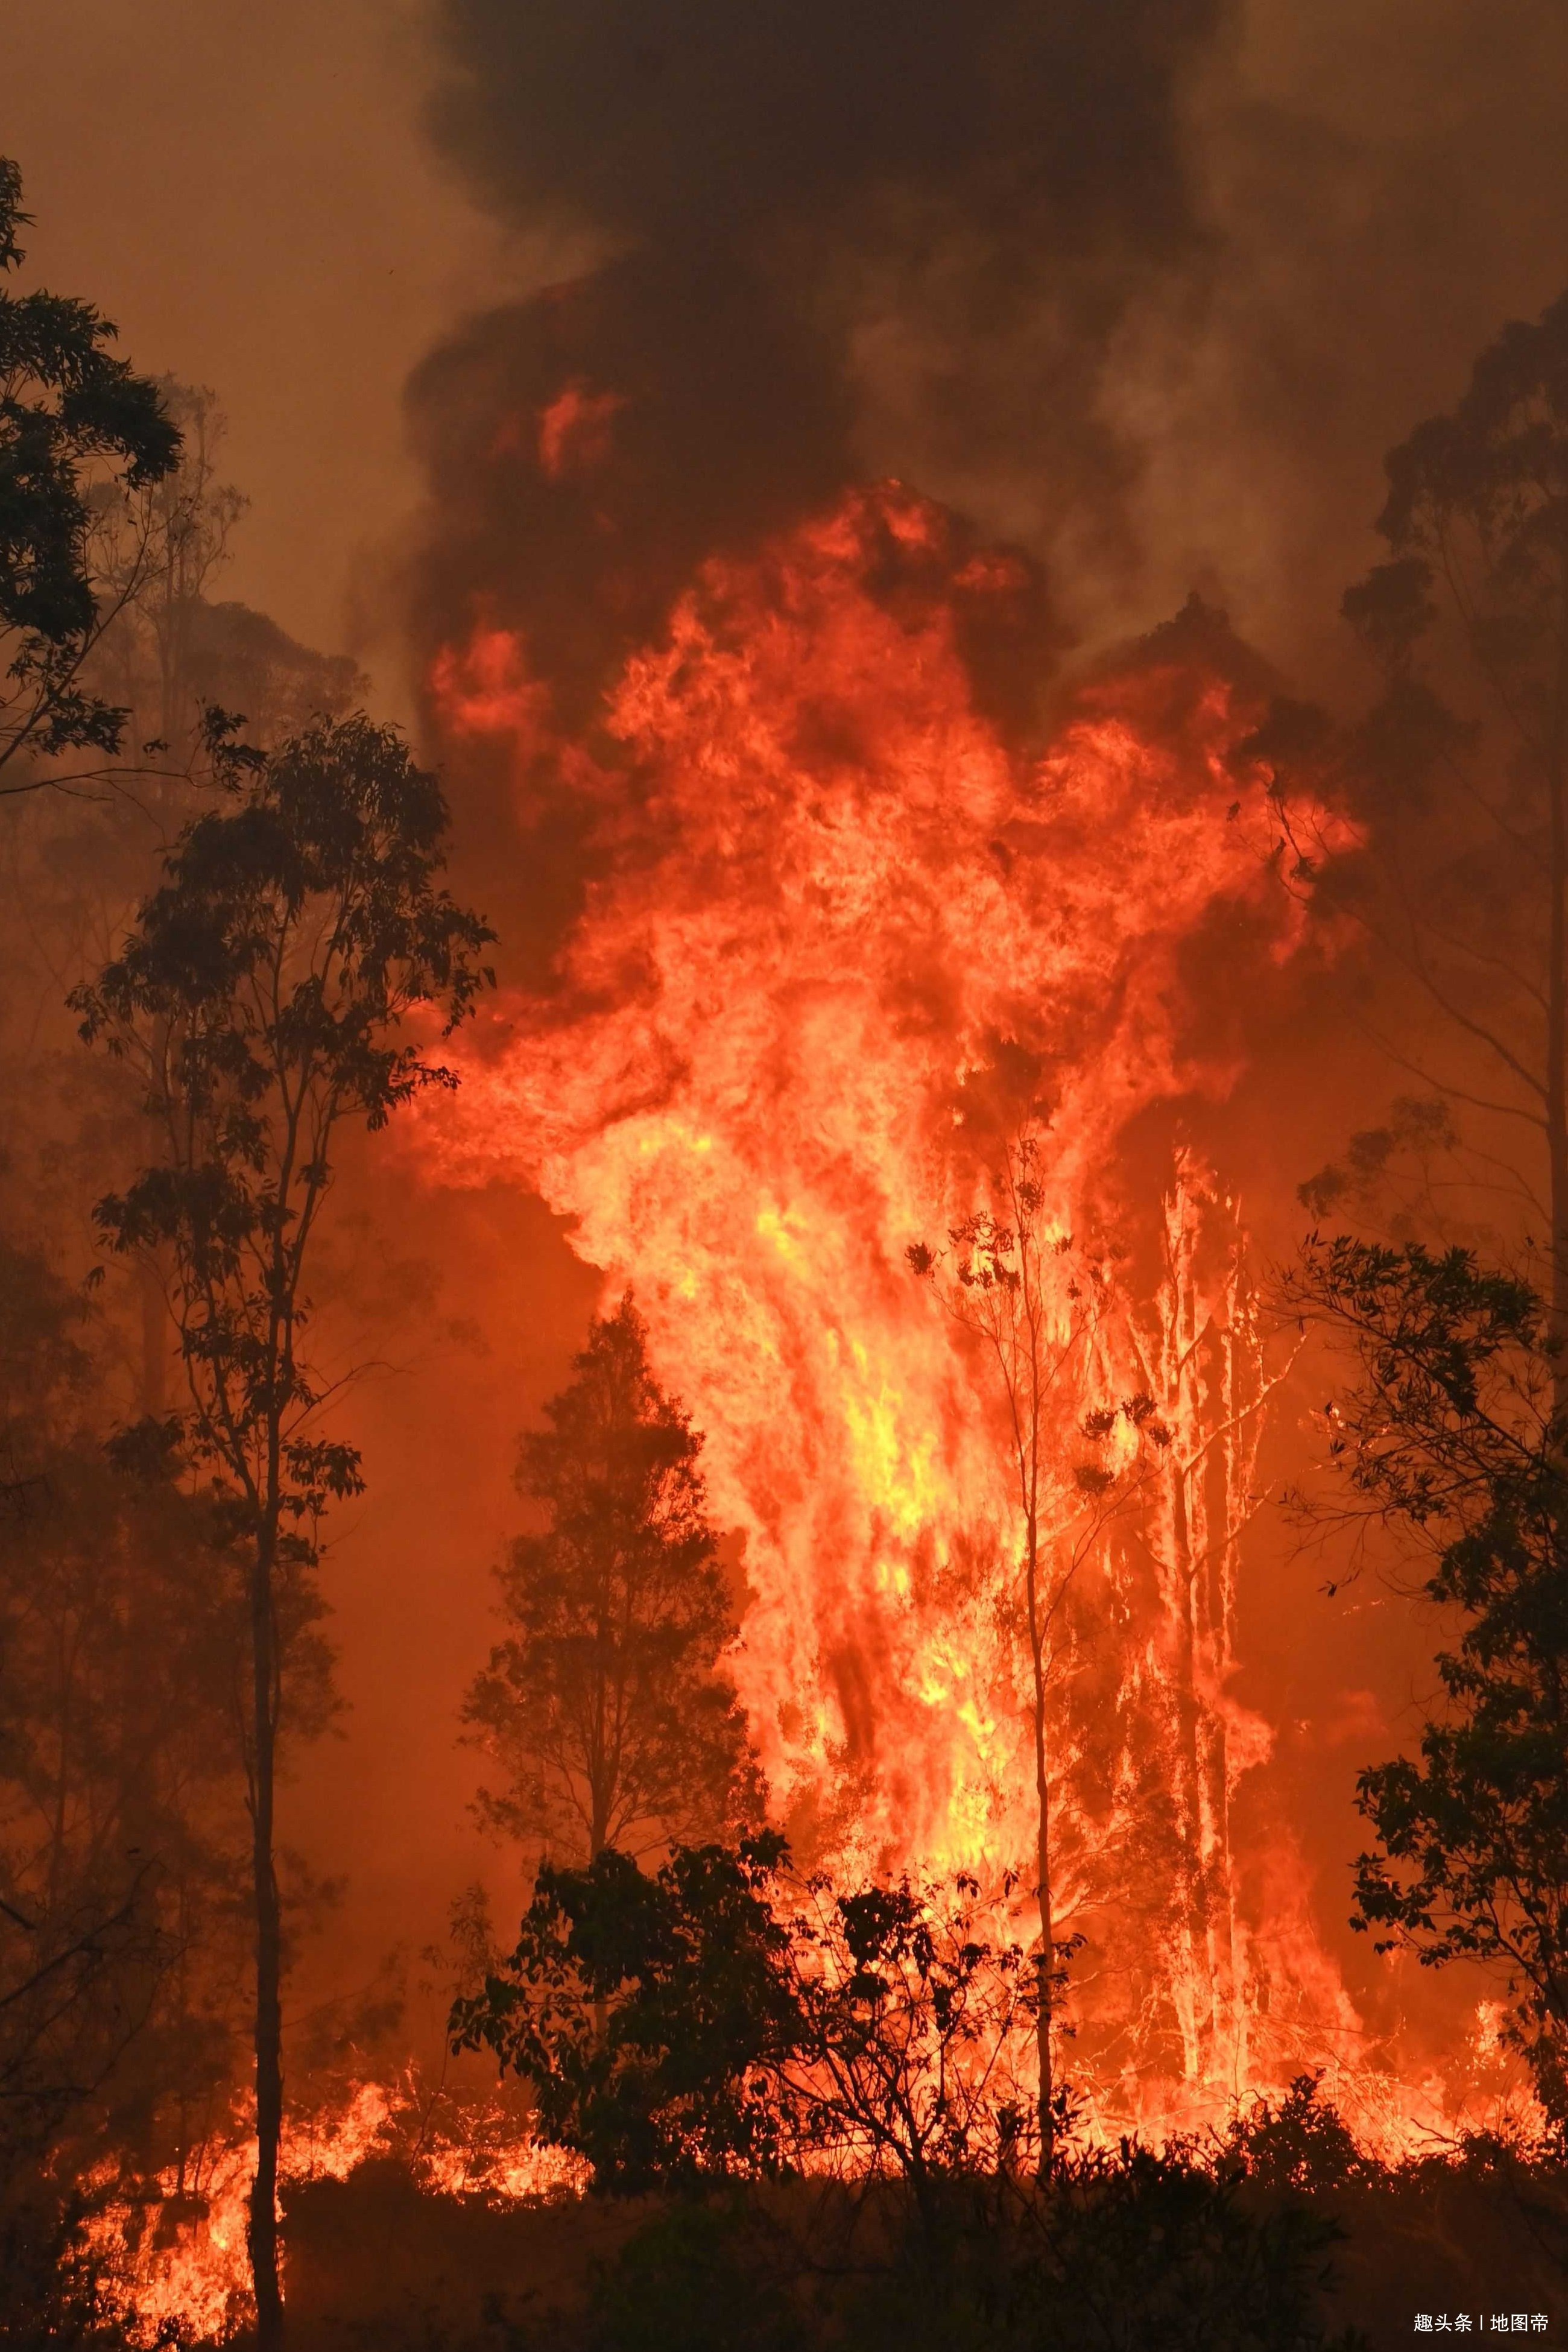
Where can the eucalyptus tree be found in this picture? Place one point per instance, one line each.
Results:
(1450, 1439)
(263, 999)
(1462, 766)
(1033, 1304)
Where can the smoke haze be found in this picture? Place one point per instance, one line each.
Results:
(1149, 288)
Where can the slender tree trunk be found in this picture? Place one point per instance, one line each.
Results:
(1046, 1964)
(155, 1327)
(598, 1838)
(1557, 1014)
(263, 2228)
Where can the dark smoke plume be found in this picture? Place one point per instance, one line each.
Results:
(689, 121)
(778, 181)
(791, 200)
(1145, 285)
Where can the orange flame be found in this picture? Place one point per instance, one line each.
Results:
(183, 2257)
(847, 937)
(574, 430)
(780, 1022)
(848, 929)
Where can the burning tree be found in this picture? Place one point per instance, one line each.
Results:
(1011, 1278)
(607, 1702)
(844, 891)
(1199, 1348)
(259, 1000)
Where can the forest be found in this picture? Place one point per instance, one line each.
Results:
(784, 1328)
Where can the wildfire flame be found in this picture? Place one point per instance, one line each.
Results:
(847, 939)
(849, 930)
(178, 2255)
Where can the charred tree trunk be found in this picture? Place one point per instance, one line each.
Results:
(1046, 1965)
(262, 2234)
(1557, 1007)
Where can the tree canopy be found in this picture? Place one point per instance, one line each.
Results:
(728, 2015)
(1451, 1436)
(264, 999)
(74, 417)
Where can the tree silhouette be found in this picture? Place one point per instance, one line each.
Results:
(725, 2015)
(607, 1704)
(1463, 766)
(74, 420)
(260, 999)
(1452, 1438)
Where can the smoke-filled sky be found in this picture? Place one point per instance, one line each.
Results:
(247, 194)
(1152, 285)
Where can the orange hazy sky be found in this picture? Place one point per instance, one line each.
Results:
(246, 192)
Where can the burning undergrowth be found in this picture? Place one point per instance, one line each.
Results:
(878, 969)
(172, 2249)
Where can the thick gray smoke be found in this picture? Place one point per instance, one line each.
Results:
(801, 201)
(695, 118)
(1146, 286)
(1152, 283)
(836, 239)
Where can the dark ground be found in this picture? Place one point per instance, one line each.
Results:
(376, 2265)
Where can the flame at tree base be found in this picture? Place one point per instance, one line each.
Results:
(174, 2257)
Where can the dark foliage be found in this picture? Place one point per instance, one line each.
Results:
(1458, 775)
(725, 2016)
(122, 1821)
(1298, 2143)
(262, 999)
(72, 417)
(1463, 763)
(649, 2013)
(700, 2278)
(606, 1703)
(1124, 2250)
(53, 2294)
(1453, 1438)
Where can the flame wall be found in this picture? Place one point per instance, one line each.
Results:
(848, 938)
